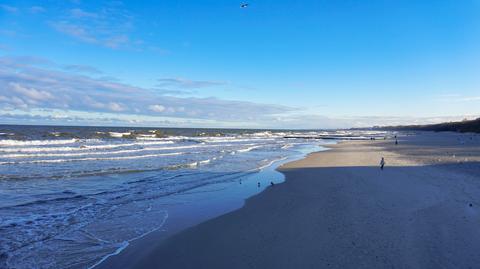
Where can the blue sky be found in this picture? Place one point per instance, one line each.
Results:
(275, 64)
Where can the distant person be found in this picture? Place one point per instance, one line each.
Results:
(258, 184)
(382, 163)
(271, 183)
(396, 142)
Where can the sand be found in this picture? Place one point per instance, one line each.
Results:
(337, 209)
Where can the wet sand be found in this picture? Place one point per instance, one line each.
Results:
(337, 209)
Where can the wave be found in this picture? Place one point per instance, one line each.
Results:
(265, 133)
(84, 147)
(269, 164)
(234, 139)
(286, 146)
(123, 245)
(193, 164)
(115, 170)
(20, 145)
(146, 136)
(10, 142)
(62, 134)
(204, 161)
(95, 159)
(153, 138)
(249, 148)
(126, 151)
(119, 135)
(167, 138)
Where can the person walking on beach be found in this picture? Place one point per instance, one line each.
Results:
(382, 163)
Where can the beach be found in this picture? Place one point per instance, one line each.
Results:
(337, 209)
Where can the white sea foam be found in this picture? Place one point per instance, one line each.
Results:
(146, 137)
(249, 148)
(95, 159)
(83, 147)
(234, 139)
(88, 153)
(192, 165)
(196, 164)
(286, 146)
(10, 142)
(118, 135)
(266, 133)
(204, 162)
(174, 138)
(125, 244)
(270, 163)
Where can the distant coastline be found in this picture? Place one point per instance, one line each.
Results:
(465, 126)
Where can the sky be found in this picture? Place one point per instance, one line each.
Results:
(275, 64)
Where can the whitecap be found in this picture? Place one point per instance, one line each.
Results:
(10, 142)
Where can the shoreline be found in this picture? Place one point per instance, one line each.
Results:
(337, 209)
(137, 247)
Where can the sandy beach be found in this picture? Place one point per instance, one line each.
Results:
(337, 209)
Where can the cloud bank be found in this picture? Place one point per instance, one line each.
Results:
(27, 83)
(35, 90)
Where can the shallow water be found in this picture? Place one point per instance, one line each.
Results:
(70, 196)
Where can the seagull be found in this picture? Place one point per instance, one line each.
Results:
(244, 5)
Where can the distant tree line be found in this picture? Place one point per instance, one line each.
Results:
(456, 126)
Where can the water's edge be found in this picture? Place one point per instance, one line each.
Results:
(160, 234)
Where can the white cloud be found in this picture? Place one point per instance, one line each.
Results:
(116, 41)
(156, 108)
(82, 69)
(30, 93)
(75, 31)
(183, 83)
(116, 107)
(32, 85)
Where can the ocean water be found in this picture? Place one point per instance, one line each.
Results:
(72, 196)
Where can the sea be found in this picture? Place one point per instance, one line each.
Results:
(70, 197)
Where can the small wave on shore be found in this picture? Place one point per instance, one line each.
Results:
(10, 142)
